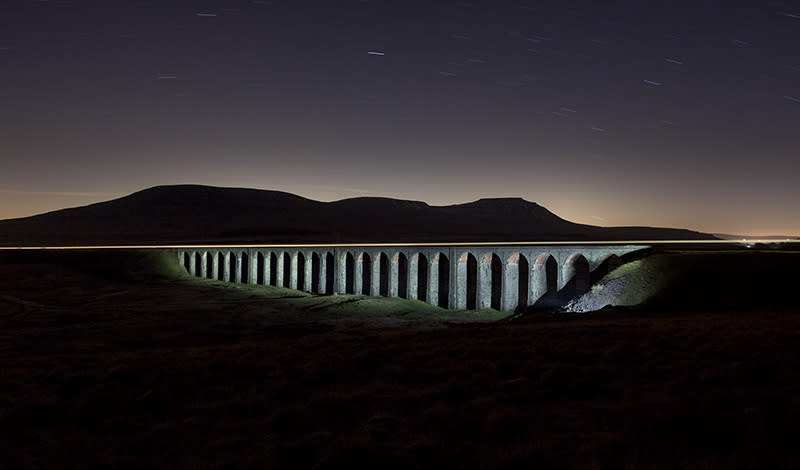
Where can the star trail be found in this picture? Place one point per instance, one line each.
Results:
(682, 114)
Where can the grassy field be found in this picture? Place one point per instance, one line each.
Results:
(122, 362)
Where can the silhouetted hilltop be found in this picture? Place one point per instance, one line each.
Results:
(205, 214)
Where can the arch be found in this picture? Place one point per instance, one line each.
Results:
(209, 264)
(366, 273)
(315, 271)
(260, 261)
(220, 266)
(273, 269)
(575, 276)
(287, 269)
(472, 282)
(350, 274)
(198, 263)
(402, 276)
(607, 264)
(329, 274)
(244, 276)
(497, 282)
(444, 281)
(187, 263)
(523, 282)
(301, 271)
(515, 283)
(383, 275)
(544, 281)
(422, 277)
(231, 267)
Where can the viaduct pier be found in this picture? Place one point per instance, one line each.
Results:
(501, 276)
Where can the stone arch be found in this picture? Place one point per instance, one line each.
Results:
(244, 276)
(607, 264)
(402, 275)
(260, 264)
(315, 271)
(221, 266)
(497, 282)
(287, 269)
(422, 277)
(273, 269)
(366, 273)
(231, 267)
(574, 276)
(383, 274)
(472, 281)
(517, 276)
(444, 280)
(544, 281)
(198, 263)
(301, 271)
(349, 274)
(187, 262)
(209, 265)
(329, 274)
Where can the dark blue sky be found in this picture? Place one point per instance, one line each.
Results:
(679, 114)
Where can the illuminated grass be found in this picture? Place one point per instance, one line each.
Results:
(691, 280)
(378, 311)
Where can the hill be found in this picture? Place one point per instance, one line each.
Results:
(205, 214)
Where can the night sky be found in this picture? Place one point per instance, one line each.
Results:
(683, 114)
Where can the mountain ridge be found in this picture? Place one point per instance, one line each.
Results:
(209, 214)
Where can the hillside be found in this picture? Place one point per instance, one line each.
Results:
(730, 280)
(204, 214)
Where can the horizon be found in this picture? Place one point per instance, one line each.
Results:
(632, 114)
(726, 237)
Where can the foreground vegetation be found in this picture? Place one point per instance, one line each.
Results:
(119, 363)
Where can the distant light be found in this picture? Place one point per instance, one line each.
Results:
(376, 53)
(650, 82)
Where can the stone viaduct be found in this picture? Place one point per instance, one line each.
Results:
(500, 276)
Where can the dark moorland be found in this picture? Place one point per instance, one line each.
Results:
(114, 361)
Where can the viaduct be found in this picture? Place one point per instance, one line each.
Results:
(501, 276)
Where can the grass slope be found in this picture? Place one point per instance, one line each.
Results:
(732, 280)
(160, 266)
